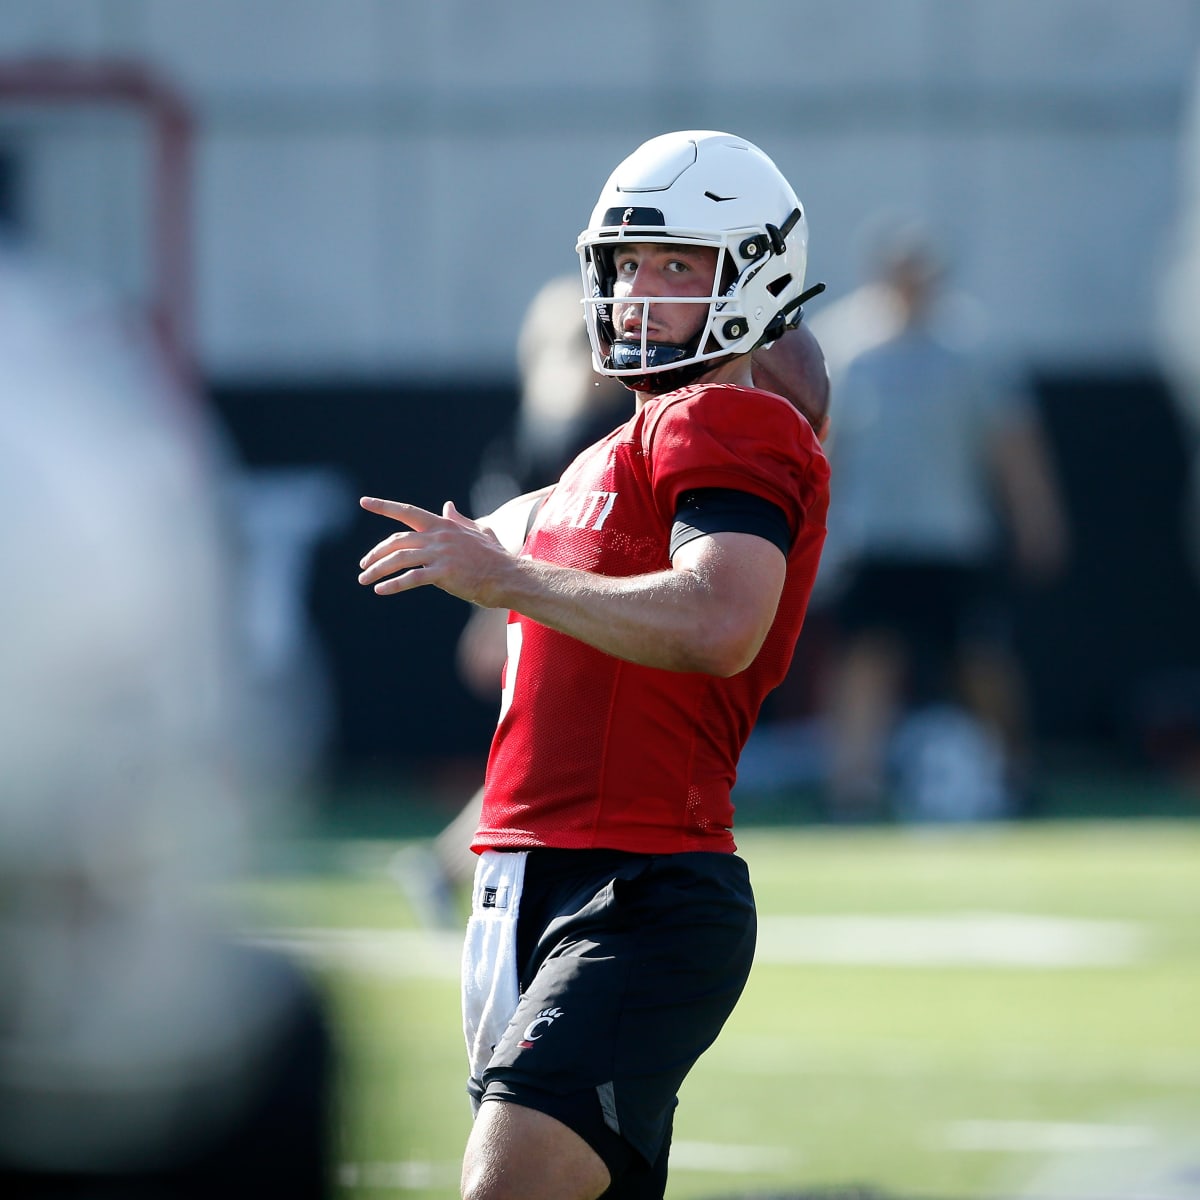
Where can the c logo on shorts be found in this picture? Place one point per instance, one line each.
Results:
(546, 1017)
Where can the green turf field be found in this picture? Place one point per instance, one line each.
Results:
(996, 1011)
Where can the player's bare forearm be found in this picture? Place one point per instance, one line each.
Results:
(708, 613)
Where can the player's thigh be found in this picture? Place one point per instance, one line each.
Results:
(518, 1153)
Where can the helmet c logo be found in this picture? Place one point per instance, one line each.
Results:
(627, 216)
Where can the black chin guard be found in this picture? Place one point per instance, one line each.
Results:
(627, 355)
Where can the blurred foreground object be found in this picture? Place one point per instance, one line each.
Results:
(1168, 712)
(142, 1049)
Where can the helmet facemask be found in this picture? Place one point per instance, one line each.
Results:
(710, 190)
(659, 366)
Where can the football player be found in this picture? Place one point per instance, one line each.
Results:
(655, 597)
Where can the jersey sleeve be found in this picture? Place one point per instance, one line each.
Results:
(737, 438)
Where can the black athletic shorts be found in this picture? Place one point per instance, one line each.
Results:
(935, 608)
(629, 966)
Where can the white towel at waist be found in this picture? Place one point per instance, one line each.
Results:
(490, 988)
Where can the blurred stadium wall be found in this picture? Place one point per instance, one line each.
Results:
(376, 189)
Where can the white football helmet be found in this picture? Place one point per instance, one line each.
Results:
(700, 188)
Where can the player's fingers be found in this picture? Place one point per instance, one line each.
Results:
(409, 514)
(404, 582)
(451, 513)
(389, 545)
(406, 558)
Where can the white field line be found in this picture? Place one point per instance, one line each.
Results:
(954, 940)
(966, 939)
(1045, 1136)
(395, 953)
(716, 1156)
(769, 1055)
(410, 1176)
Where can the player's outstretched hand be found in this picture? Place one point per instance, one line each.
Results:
(450, 551)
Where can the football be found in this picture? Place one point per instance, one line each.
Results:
(794, 367)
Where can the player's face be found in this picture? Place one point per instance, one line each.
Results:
(649, 269)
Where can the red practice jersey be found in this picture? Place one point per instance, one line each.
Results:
(594, 751)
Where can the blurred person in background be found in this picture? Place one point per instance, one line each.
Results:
(941, 472)
(655, 596)
(144, 1050)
